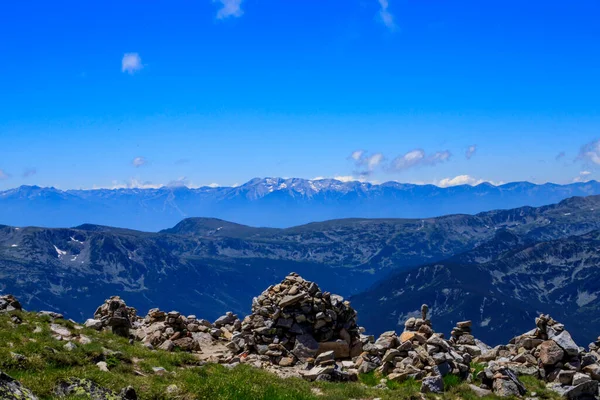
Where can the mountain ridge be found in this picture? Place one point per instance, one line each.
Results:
(270, 202)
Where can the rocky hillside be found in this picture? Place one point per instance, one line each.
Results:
(299, 342)
(273, 202)
(205, 265)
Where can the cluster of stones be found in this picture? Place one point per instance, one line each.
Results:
(293, 322)
(547, 352)
(169, 331)
(418, 353)
(9, 303)
(115, 314)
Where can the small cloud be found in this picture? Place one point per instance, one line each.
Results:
(29, 172)
(470, 152)
(345, 178)
(229, 8)
(3, 175)
(131, 63)
(132, 184)
(357, 155)
(583, 176)
(139, 161)
(368, 162)
(213, 185)
(462, 180)
(560, 156)
(418, 157)
(590, 152)
(179, 182)
(385, 16)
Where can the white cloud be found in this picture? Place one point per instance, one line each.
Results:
(583, 176)
(213, 185)
(386, 17)
(345, 178)
(3, 175)
(139, 161)
(462, 180)
(361, 159)
(357, 155)
(230, 8)
(590, 152)
(133, 183)
(418, 157)
(131, 63)
(470, 152)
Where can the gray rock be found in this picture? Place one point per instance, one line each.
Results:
(480, 392)
(565, 377)
(566, 342)
(505, 388)
(550, 352)
(585, 390)
(12, 389)
(93, 324)
(432, 384)
(580, 378)
(305, 347)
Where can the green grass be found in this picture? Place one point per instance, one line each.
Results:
(46, 363)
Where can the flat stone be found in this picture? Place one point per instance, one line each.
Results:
(340, 348)
(290, 300)
(315, 372)
(480, 392)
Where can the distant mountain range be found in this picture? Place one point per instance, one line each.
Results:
(270, 202)
(503, 265)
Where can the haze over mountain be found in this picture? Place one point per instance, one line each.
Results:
(270, 202)
(207, 266)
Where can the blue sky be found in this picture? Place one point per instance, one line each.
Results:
(118, 93)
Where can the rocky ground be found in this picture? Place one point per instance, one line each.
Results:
(298, 342)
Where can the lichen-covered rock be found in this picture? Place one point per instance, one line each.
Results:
(12, 389)
(89, 389)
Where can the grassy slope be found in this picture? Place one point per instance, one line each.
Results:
(43, 368)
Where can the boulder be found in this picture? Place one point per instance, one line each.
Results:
(432, 384)
(550, 352)
(84, 387)
(12, 389)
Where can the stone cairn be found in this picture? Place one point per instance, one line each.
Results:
(115, 314)
(418, 353)
(9, 303)
(547, 352)
(294, 321)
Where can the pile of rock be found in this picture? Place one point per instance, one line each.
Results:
(169, 331)
(461, 333)
(595, 346)
(547, 352)
(295, 321)
(9, 303)
(115, 314)
(418, 353)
